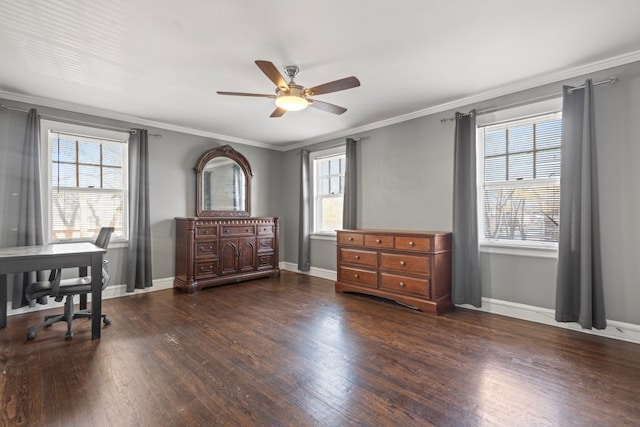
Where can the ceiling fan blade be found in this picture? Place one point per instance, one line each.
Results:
(259, 95)
(274, 75)
(278, 112)
(325, 106)
(334, 86)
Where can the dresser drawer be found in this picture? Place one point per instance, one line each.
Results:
(237, 230)
(265, 244)
(360, 277)
(375, 241)
(266, 261)
(205, 269)
(409, 263)
(206, 249)
(408, 243)
(409, 285)
(206, 232)
(360, 257)
(353, 239)
(265, 229)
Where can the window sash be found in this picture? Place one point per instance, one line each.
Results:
(520, 210)
(333, 163)
(77, 209)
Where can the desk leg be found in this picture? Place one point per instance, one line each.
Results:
(3, 300)
(83, 297)
(96, 295)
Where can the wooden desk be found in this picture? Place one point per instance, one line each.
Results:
(48, 257)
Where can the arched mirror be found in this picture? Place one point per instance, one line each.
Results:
(223, 183)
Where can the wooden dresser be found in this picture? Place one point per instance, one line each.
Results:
(214, 251)
(413, 268)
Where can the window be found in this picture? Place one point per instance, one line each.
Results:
(329, 167)
(86, 182)
(519, 180)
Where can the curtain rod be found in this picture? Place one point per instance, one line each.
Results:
(77, 122)
(610, 80)
(358, 139)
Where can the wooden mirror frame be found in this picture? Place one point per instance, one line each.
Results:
(228, 152)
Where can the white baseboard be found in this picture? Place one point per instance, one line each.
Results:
(314, 271)
(617, 330)
(113, 291)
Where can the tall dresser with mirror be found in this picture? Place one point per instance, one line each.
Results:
(223, 243)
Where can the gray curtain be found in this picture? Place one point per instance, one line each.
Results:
(466, 283)
(30, 230)
(349, 209)
(304, 244)
(579, 288)
(139, 259)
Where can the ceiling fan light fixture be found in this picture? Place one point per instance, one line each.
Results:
(291, 103)
(292, 100)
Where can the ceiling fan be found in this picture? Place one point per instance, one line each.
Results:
(293, 97)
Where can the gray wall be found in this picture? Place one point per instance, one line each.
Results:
(172, 190)
(406, 182)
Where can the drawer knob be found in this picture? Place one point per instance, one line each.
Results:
(351, 239)
(402, 285)
(378, 241)
(356, 275)
(411, 243)
(402, 263)
(357, 257)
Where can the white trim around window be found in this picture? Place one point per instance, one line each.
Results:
(96, 134)
(313, 157)
(512, 117)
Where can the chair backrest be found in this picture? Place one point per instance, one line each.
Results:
(104, 236)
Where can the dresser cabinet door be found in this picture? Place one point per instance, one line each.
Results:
(247, 251)
(229, 255)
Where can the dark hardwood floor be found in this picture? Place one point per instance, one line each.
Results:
(290, 351)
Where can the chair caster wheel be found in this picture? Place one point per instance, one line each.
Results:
(31, 335)
(68, 335)
(106, 321)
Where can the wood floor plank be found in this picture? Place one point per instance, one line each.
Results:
(289, 351)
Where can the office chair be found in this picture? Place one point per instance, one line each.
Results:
(59, 288)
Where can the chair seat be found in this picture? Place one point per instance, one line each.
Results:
(75, 286)
(37, 290)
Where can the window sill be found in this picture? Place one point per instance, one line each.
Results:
(331, 236)
(527, 251)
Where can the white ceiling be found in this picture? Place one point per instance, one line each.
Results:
(161, 62)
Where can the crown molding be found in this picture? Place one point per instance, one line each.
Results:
(108, 114)
(508, 89)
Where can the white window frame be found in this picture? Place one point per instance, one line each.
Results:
(45, 171)
(515, 247)
(314, 202)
